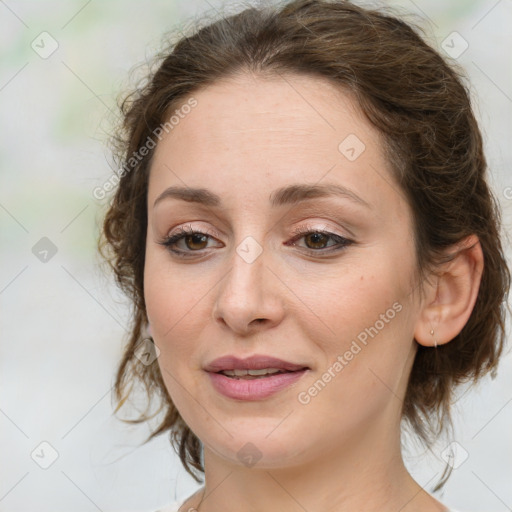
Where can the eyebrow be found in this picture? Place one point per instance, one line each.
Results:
(291, 194)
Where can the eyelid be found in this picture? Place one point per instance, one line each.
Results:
(187, 228)
(301, 229)
(306, 228)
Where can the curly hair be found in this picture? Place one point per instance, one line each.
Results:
(416, 100)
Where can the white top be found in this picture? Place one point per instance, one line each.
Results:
(172, 507)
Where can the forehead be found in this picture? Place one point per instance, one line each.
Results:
(248, 135)
(297, 108)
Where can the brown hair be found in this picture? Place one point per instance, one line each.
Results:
(420, 105)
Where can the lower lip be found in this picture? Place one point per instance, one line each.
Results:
(253, 389)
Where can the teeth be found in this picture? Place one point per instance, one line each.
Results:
(264, 371)
(242, 373)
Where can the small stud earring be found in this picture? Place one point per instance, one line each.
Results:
(435, 341)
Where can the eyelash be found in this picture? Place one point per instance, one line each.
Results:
(298, 233)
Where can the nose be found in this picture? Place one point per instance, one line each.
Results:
(249, 297)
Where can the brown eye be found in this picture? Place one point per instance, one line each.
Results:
(191, 241)
(316, 240)
(196, 241)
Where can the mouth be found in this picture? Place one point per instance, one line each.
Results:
(254, 374)
(254, 367)
(254, 378)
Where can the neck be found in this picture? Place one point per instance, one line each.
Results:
(367, 475)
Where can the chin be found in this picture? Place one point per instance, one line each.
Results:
(263, 448)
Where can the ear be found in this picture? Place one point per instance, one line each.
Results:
(451, 296)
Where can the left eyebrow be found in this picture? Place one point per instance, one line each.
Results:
(291, 194)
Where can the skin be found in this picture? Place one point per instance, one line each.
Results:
(247, 137)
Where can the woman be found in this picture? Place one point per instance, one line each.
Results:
(304, 226)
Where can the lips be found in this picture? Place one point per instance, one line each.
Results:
(255, 362)
(230, 377)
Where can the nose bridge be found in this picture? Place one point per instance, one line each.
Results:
(248, 292)
(245, 279)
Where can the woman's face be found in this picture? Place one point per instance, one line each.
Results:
(321, 279)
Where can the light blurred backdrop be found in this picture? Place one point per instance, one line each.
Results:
(62, 321)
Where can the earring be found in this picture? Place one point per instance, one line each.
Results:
(435, 341)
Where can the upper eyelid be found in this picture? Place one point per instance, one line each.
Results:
(301, 229)
(348, 219)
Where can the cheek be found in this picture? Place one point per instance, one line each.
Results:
(176, 309)
(349, 304)
(366, 321)
(169, 299)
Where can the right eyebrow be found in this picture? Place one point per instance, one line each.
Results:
(291, 194)
(191, 195)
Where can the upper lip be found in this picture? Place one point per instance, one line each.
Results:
(255, 362)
